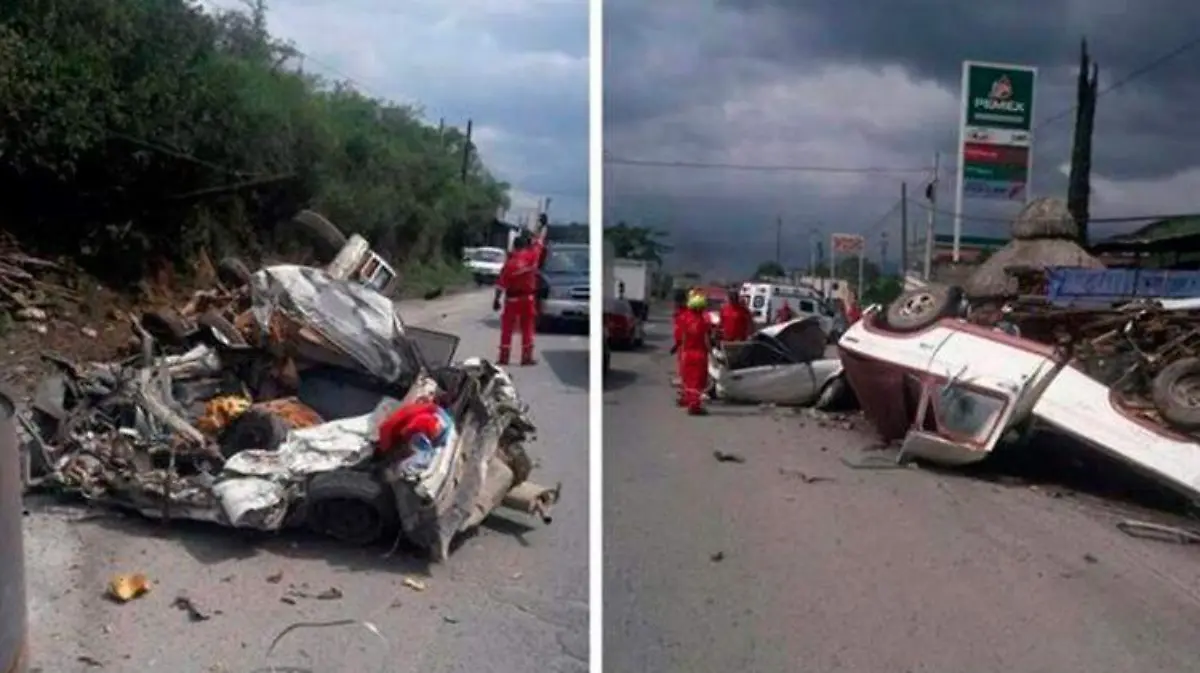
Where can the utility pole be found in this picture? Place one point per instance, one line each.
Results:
(903, 229)
(931, 195)
(779, 241)
(466, 157)
(883, 246)
(813, 235)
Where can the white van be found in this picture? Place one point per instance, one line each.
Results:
(765, 299)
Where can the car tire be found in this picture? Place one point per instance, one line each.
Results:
(232, 272)
(1176, 394)
(326, 238)
(225, 331)
(350, 506)
(831, 394)
(167, 326)
(918, 309)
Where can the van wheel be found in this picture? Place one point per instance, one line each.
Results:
(917, 309)
(831, 395)
(1176, 394)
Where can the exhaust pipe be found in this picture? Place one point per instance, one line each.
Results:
(13, 609)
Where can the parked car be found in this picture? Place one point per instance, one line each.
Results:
(566, 289)
(782, 364)
(623, 326)
(484, 264)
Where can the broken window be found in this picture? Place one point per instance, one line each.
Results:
(967, 413)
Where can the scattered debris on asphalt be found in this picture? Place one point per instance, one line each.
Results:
(126, 587)
(726, 457)
(717, 557)
(875, 460)
(275, 578)
(414, 584)
(804, 477)
(1149, 530)
(194, 612)
(89, 661)
(370, 627)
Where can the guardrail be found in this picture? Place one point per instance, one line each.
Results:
(13, 610)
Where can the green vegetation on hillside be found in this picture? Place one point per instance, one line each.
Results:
(141, 130)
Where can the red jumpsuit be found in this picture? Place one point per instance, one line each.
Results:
(736, 322)
(519, 280)
(784, 314)
(677, 324)
(693, 358)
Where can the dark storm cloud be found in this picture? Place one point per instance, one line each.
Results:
(665, 60)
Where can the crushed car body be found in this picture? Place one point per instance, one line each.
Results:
(1119, 380)
(271, 419)
(783, 364)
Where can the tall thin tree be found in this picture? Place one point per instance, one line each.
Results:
(1079, 186)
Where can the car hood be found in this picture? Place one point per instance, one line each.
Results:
(566, 278)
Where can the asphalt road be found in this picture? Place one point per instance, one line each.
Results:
(512, 598)
(721, 566)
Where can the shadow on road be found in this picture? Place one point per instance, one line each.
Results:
(616, 379)
(1064, 466)
(210, 543)
(569, 366)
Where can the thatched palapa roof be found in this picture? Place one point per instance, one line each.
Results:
(1044, 235)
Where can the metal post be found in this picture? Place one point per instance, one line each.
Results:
(862, 263)
(832, 265)
(930, 222)
(903, 230)
(958, 156)
(779, 241)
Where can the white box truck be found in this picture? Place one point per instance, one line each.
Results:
(632, 278)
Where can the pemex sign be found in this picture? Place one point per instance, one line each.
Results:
(996, 139)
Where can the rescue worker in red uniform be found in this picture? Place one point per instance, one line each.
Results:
(519, 282)
(785, 313)
(693, 346)
(680, 298)
(736, 319)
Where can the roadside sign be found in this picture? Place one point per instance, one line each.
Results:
(998, 97)
(995, 136)
(848, 244)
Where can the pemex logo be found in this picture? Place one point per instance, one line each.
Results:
(1002, 89)
(999, 99)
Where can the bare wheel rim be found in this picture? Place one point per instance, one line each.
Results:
(918, 304)
(1186, 391)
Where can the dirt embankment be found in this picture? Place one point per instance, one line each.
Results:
(52, 305)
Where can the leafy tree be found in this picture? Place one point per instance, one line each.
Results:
(769, 269)
(882, 290)
(632, 242)
(141, 130)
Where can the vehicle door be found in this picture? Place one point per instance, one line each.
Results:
(976, 390)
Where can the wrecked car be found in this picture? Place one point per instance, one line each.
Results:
(952, 390)
(781, 364)
(275, 423)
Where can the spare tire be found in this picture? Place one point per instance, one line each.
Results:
(1176, 394)
(167, 326)
(233, 272)
(254, 429)
(325, 237)
(923, 307)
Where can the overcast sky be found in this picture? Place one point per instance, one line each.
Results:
(875, 83)
(519, 68)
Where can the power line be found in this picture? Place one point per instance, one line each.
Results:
(1128, 219)
(762, 168)
(1129, 77)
